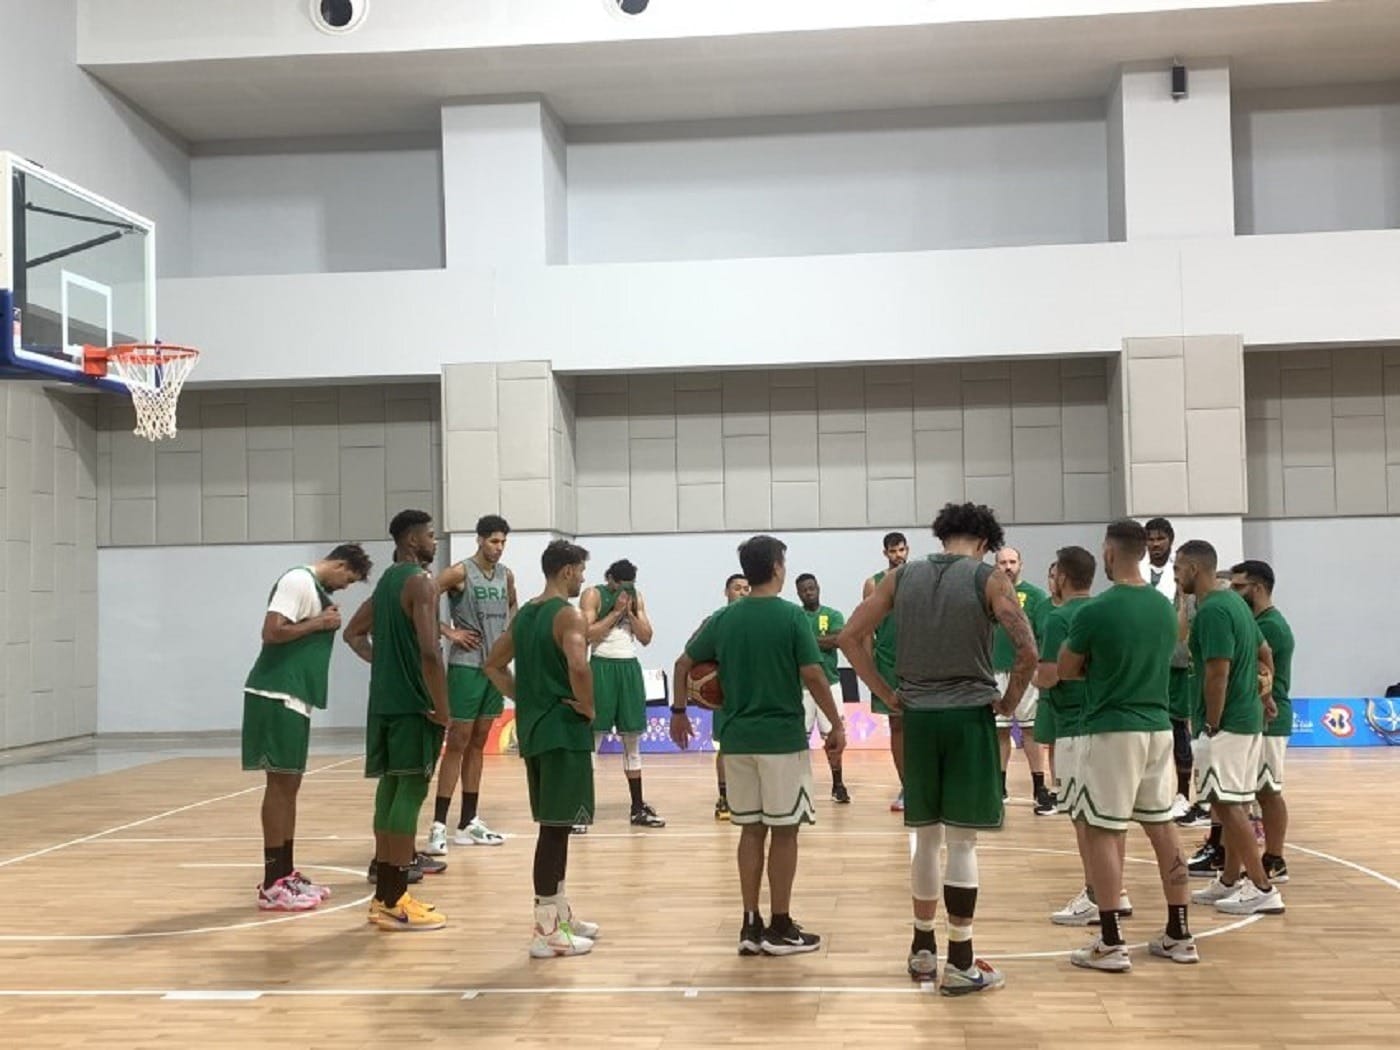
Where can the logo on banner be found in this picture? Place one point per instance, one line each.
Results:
(1338, 721)
(1384, 719)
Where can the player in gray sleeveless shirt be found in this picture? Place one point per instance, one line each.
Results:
(944, 608)
(481, 594)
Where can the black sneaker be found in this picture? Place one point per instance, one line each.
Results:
(1195, 817)
(426, 865)
(1276, 868)
(840, 794)
(791, 941)
(751, 938)
(645, 817)
(414, 874)
(1045, 804)
(721, 808)
(1207, 862)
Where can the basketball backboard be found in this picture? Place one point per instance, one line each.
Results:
(75, 269)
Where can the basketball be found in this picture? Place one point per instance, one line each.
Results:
(702, 686)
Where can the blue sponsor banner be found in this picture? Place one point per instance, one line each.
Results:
(1346, 722)
(656, 739)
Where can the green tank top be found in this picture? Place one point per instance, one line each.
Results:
(543, 722)
(298, 669)
(396, 685)
(886, 638)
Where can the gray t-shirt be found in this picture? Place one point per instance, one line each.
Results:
(943, 655)
(483, 606)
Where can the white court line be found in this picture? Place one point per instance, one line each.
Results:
(187, 839)
(158, 816)
(1392, 883)
(212, 996)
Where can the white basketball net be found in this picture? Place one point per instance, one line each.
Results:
(154, 376)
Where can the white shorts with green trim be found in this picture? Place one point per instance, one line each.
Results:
(1124, 778)
(775, 790)
(1227, 766)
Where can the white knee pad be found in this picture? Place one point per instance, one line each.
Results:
(962, 858)
(924, 879)
(632, 752)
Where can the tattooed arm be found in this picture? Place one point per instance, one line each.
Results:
(1006, 609)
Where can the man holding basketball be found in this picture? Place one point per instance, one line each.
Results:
(766, 653)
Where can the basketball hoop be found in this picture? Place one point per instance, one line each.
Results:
(153, 374)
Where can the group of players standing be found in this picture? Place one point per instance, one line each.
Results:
(951, 648)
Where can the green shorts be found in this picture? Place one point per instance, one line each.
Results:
(1043, 731)
(952, 768)
(886, 669)
(275, 738)
(619, 695)
(401, 746)
(470, 695)
(561, 787)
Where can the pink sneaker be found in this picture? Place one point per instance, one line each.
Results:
(284, 895)
(308, 888)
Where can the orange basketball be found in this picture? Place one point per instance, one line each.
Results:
(702, 686)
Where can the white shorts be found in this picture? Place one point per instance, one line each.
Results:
(1272, 752)
(1124, 778)
(814, 715)
(1227, 766)
(1067, 750)
(1025, 710)
(775, 790)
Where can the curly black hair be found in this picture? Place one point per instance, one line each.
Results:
(969, 519)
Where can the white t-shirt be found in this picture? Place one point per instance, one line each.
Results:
(1166, 582)
(295, 596)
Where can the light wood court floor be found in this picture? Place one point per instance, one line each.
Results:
(130, 921)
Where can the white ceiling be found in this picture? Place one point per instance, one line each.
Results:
(1345, 41)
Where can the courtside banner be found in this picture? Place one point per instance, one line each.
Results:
(1345, 722)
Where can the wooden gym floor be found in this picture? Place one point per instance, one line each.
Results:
(130, 922)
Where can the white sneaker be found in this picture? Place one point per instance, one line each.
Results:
(1080, 911)
(477, 834)
(437, 840)
(1251, 900)
(1180, 807)
(1100, 956)
(1216, 891)
(554, 939)
(578, 926)
(1177, 951)
(284, 895)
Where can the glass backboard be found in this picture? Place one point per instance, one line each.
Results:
(75, 270)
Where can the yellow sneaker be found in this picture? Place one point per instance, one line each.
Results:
(410, 915)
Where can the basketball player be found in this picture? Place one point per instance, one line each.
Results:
(943, 609)
(1120, 645)
(553, 692)
(1254, 582)
(1157, 571)
(1043, 731)
(1071, 578)
(1033, 602)
(481, 594)
(617, 620)
(826, 624)
(396, 633)
(290, 678)
(735, 587)
(1228, 648)
(766, 654)
(896, 549)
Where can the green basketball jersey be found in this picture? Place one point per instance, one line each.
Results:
(825, 620)
(299, 669)
(1280, 638)
(396, 685)
(1035, 603)
(543, 722)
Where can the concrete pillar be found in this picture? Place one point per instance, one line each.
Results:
(504, 181)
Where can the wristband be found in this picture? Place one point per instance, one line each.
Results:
(1212, 730)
